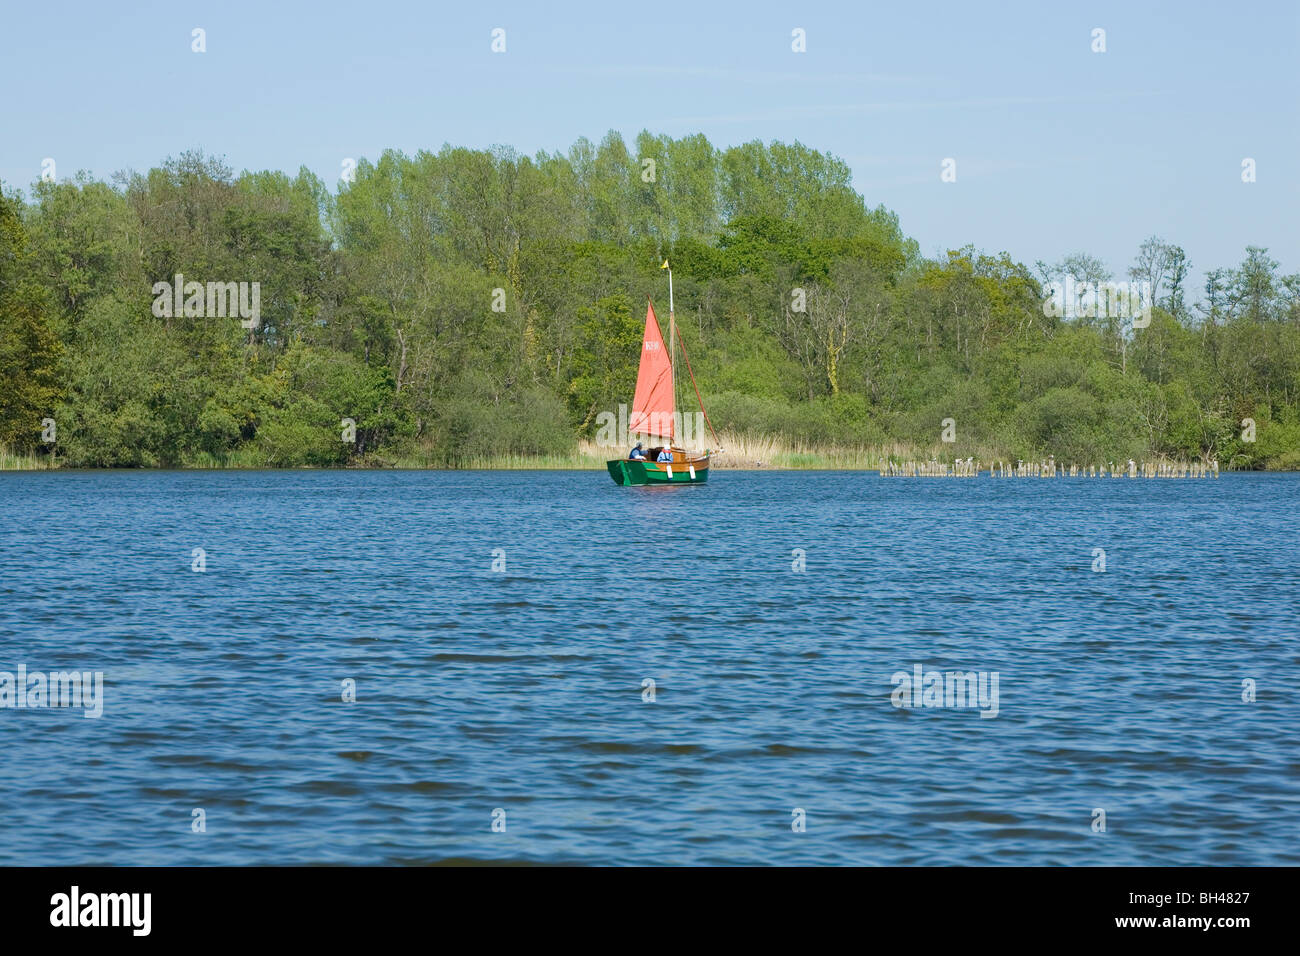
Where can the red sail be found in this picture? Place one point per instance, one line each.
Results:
(652, 408)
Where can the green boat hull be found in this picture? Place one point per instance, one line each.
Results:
(626, 472)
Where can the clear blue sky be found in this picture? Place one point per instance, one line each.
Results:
(1058, 149)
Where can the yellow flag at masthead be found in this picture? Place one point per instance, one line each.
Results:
(665, 265)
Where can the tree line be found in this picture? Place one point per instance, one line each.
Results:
(464, 304)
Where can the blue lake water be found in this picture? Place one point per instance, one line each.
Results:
(521, 690)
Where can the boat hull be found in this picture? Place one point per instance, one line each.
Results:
(625, 472)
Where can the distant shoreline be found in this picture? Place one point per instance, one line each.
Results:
(540, 465)
(739, 453)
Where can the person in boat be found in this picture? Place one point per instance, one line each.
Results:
(665, 454)
(636, 454)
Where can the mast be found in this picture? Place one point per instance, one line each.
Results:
(672, 334)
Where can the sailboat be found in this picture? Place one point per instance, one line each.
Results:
(653, 410)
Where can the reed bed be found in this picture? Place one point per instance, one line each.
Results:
(11, 461)
(577, 460)
(765, 451)
(739, 452)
